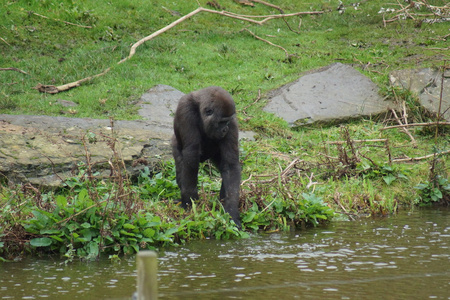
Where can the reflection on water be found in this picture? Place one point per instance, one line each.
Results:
(401, 257)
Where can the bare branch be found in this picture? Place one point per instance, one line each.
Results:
(68, 23)
(13, 69)
(268, 42)
(412, 159)
(356, 141)
(416, 124)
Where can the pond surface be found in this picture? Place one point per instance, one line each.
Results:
(401, 257)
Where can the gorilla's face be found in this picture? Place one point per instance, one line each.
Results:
(216, 116)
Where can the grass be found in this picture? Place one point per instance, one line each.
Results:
(353, 179)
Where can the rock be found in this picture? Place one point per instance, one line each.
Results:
(44, 150)
(66, 103)
(158, 105)
(426, 83)
(331, 94)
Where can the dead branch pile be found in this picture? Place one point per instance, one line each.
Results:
(420, 11)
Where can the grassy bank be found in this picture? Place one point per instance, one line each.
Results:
(293, 177)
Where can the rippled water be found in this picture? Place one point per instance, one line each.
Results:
(401, 257)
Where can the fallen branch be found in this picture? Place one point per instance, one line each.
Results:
(270, 43)
(13, 69)
(356, 141)
(336, 197)
(51, 89)
(413, 159)
(439, 13)
(5, 41)
(68, 23)
(404, 129)
(415, 125)
(57, 89)
(282, 175)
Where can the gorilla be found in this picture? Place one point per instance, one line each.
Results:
(205, 127)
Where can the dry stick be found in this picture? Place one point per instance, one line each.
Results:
(282, 174)
(440, 104)
(5, 41)
(355, 141)
(268, 42)
(56, 89)
(412, 159)
(80, 212)
(415, 125)
(404, 129)
(83, 26)
(269, 4)
(13, 69)
(51, 89)
(336, 199)
(257, 99)
(280, 10)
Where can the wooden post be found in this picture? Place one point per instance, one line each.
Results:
(147, 279)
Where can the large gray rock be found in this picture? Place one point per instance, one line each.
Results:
(426, 83)
(46, 150)
(334, 93)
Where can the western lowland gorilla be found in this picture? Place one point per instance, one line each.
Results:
(205, 127)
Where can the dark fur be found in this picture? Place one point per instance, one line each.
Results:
(205, 127)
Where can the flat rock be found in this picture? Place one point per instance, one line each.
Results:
(158, 105)
(331, 94)
(426, 84)
(46, 150)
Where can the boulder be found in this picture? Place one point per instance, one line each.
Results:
(332, 94)
(426, 84)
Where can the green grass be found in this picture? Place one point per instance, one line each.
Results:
(204, 50)
(213, 50)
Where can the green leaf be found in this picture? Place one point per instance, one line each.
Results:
(129, 226)
(50, 231)
(249, 217)
(149, 232)
(73, 226)
(61, 201)
(389, 179)
(86, 225)
(41, 242)
(57, 238)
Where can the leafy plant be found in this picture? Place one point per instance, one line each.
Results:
(430, 192)
(389, 173)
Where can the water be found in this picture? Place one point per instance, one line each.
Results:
(401, 257)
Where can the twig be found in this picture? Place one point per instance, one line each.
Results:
(80, 212)
(51, 89)
(356, 141)
(311, 183)
(415, 124)
(404, 129)
(280, 10)
(268, 42)
(3, 40)
(336, 199)
(412, 159)
(438, 117)
(269, 4)
(82, 26)
(13, 69)
(256, 100)
(281, 175)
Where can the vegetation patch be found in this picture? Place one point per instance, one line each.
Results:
(291, 177)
